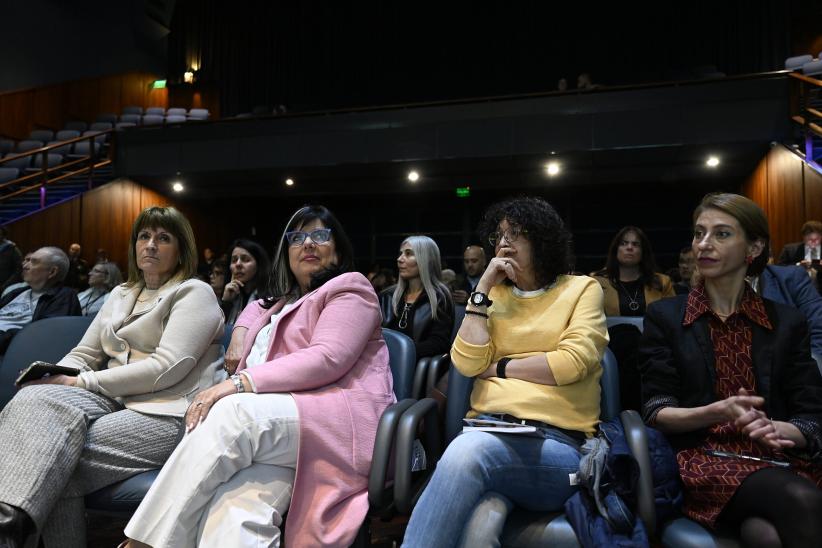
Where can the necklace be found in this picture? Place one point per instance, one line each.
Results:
(403, 323)
(633, 302)
(90, 302)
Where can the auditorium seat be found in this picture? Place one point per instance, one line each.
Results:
(8, 173)
(44, 135)
(175, 119)
(812, 68)
(261, 110)
(53, 161)
(109, 117)
(65, 149)
(82, 150)
(131, 118)
(133, 110)
(66, 134)
(25, 146)
(198, 114)
(99, 138)
(19, 163)
(76, 125)
(6, 146)
(795, 63)
(156, 111)
(152, 120)
(176, 111)
(124, 125)
(101, 126)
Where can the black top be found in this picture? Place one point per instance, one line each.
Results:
(631, 298)
(431, 337)
(677, 366)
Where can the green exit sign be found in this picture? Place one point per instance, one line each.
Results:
(463, 191)
(159, 84)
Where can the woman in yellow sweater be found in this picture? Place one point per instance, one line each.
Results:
(533, 337)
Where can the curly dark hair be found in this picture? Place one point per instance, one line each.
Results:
(550, 240)
(647, 265)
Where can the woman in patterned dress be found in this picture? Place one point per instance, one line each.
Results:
(728, 376)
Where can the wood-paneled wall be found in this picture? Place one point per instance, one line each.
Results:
(100, 218)
(789, 191)
(52, 106)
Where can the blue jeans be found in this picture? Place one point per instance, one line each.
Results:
(530, 471)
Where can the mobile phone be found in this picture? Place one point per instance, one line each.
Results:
(38, 370)
(729, 455)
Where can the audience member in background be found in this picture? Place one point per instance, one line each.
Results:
(687, 266)
(383, 279)
(11, 262)
(249, 267)
(449, 278)
(12, 286)
(102, 278)
(101, 256)
(420, 304)
(314, 376)
(150, 350)
(473, 264)
(217, 276)
(77, 276)
(204, 268)
(43, 296)
(533, 338)
(724, 370)
(562, 85)
(584, 81)
(630, 280)
(808, 250)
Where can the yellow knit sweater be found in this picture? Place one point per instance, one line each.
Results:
(566, 324)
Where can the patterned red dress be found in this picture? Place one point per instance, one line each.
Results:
(711, 481)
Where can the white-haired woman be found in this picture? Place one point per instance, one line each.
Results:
(420, 304)
(102, 278)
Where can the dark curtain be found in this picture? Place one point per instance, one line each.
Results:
(311, 55)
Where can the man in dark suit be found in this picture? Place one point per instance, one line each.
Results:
(804, 252)
(473, 260)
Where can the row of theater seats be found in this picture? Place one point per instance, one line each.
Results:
(156, 116)
(397, 435)
(809, 65)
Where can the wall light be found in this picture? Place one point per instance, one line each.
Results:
(289, 182)
(178, 186)
(552, 168)
(713, 161)
(188, 77)
(413, 176)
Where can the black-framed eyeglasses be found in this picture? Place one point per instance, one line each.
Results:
(319, 236)
(510, 235)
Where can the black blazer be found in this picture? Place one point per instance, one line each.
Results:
(677, 367)
(431, 337)
(792, 253)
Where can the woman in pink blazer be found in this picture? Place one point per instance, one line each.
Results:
(299, 415)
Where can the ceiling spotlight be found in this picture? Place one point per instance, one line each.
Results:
(413, 176)
(289, 182)
(178, 186)
(713, 161)
(552, 168)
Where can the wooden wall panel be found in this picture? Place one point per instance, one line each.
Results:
(83, 100)
(813, 193)
(786, 197)
(48, 107)
(111, 90)
(100, 218)
(756, 187)
(16, 115)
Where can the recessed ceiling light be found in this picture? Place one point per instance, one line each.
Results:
(552, 168)
(713, 161)
(289, 182)
(178, 186)
(413, 176)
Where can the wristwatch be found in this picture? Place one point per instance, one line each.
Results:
(479, 299)
(238, 383)
(501, 365)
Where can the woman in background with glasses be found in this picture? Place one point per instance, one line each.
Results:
(294, 430)
(407, 306)
(101, 280)
(533, 338)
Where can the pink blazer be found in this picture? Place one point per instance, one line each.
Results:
(328, 352)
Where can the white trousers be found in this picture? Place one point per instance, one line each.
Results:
(229, 481)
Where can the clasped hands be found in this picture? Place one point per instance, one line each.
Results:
(744, 410)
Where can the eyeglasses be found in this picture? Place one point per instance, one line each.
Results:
(510, 235)
(297, 237)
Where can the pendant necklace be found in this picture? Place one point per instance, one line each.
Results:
(633, 303)
(404, 316)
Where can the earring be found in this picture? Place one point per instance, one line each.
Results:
(749, 259)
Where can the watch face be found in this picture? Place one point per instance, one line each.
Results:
(476, 298)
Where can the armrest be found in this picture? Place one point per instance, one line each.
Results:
(437, 367)
(420, 375)
(637, 438)
(405, 492)
(383, 444)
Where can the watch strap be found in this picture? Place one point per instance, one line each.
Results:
(501, 365)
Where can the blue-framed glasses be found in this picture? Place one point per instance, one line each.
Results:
(319, 236)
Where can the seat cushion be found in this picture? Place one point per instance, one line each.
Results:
(525, 529)
(124, 496)
(686, 533)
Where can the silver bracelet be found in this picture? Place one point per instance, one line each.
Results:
(238, 382)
